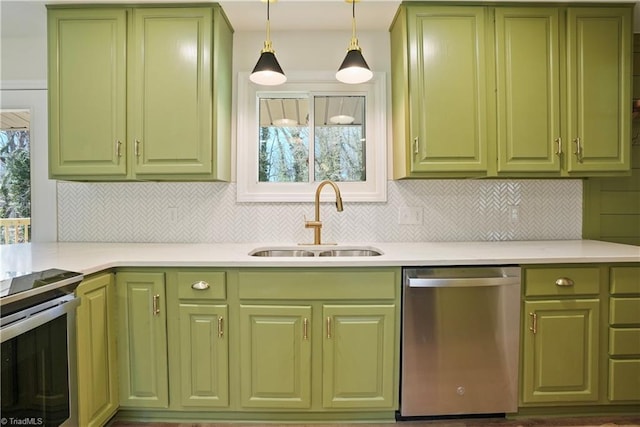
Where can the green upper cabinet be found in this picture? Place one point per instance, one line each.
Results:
(599, 88)
(529, 135)
(514, 91)
(87, 92)
(139, 93)
(439, 90)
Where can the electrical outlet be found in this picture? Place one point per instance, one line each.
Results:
(410, 215)
(514, 214)
(172, 214)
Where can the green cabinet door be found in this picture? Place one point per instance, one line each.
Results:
(171, 113)
(560, 351)
(275, 356)
(448, 84)
(97, 366)
(358, 356)
(528, 89)
(204, 355)
(87, 92)
(142, 340)
(599, 88)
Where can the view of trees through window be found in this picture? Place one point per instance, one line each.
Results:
(331, 136)
(15, 176)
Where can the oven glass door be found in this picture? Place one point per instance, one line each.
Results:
(34, 374)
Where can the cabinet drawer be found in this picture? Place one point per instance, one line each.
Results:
(315, 284)
(624, 379)
(542, 281)
(213, 282)
(624, 311)
(624, 342)
(625, 280)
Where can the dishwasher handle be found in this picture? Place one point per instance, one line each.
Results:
(459, 282)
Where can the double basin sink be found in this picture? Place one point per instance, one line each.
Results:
(325, 251)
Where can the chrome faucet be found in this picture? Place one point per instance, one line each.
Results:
(316, 224)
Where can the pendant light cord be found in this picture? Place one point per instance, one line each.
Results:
(267, 44)
(354, 41)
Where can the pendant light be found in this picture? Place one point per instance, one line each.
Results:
(354, 68)
(267, 70)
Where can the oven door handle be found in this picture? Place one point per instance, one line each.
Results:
(21, 326)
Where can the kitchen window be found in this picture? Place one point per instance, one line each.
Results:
(309, 130)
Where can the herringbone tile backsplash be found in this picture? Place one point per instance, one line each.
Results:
(453, 210)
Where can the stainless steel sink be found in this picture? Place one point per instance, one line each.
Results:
(282, 253)
(350, 252)
(308, 251)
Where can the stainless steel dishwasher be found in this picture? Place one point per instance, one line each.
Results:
(460, 340)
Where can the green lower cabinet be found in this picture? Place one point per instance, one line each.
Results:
(204, 355)
(358, 357)
(624, 380)
(275, 356)
(142, 340)
(97, 366)
(560, 351)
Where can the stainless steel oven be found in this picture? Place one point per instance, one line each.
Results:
(38, 354)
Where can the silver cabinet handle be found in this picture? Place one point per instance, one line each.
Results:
(564, 281)
(329, 327)
(415, 145)
(200, 286)
(220, 327)
(558, 142)
(118, 149)
(156, 305)
(578, 150)
(137, 148)
(305, 329)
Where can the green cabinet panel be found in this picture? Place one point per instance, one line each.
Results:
(562, 281)
(97, 363)
(134, 93)
(528, 89)
(170, 75)
(87, 92)
(275, 356)
(446, 104)
(204, 355)
(625, 280)
(142, 340)
(560, 351)
(358, 359)
(624, 342)
(624, 311)
(599, 111)
(624, 380)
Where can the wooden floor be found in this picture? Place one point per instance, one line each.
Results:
(611, 421)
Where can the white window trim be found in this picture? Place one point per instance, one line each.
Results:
(248, 187)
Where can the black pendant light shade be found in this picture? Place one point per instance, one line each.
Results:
(267, 70)
(354, 68)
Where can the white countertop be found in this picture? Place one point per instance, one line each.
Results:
(88, 258)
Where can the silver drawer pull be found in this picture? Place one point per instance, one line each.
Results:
(200, 286)
(564, 281)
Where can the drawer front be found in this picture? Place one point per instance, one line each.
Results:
(625, 280)
(315, 284)
(576, 281)
(624, 342)
(624, 311)
(202, 285)
(624, 380)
